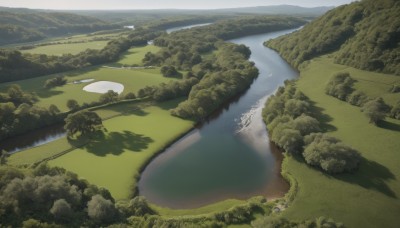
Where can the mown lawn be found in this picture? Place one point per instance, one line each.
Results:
(133, 80)
(370, 197)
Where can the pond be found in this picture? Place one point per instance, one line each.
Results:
(104, 87)
(230, 156)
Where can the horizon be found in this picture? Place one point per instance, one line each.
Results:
(162, 5)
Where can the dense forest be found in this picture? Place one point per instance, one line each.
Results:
(363, 34)
(31, 25)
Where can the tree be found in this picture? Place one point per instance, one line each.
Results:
(376, 110)
(53, 109)
(72, 104)
(169, 71)
(306, 124)
(296, 108)
(109, 97)
(340, 85)
(53, 82)
(84, 122)
(330, 154)
(61, 210)
(101, 210)
(288, 139)
(130, 96)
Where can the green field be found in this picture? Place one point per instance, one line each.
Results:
(135, 55)
(368, 198)
(60, 49)
(114, 159)
(133, 80)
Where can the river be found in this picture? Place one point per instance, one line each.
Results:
(229, 156)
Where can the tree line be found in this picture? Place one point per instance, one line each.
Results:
(17, 66)
(340, 86)
(291, 126)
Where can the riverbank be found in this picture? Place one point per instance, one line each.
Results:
(369, 197)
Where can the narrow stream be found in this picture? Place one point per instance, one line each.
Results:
(229, 156)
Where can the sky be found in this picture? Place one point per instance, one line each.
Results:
(161, 4)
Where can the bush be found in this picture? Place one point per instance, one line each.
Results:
(395, 89)
(395, 112)
(101, 210)
(109, 97)
(170, 71)
(340, 86)
(357, 98)
(61, 210)
(330, 154)
(288, 139)
(376, 110)
(130, 96)
(54, 82)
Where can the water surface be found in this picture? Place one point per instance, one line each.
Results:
(229, 156)
(104, 87)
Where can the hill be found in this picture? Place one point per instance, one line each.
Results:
(364, 35)
(280, 9)
(23, 25)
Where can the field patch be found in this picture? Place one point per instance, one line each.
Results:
(135, 55)
(113, 159)
(370, 197)
(131, 79)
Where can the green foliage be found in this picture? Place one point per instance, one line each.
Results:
(102, 211)
(83, 122)
(130, 96)
(395, 112)
(340, 86)
(33, 25)
(279, 222)
(376, 110)
(364, 33)
(170, 71)
(395, 89)
(137, 206)
(18, 114)
(61, 210)
(288, 139)
(72, 104)
(109, 97)
(57, 81)
(357, 98)
(330, 154)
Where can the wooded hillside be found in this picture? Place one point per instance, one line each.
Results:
(365, 34)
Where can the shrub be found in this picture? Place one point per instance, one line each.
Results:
(330, 154)
(395, 112)
(340, 86)
(376, 110)
(357, 98)
(54, 82)
(101, 210)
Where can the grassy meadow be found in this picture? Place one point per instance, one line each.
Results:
(72, 48)
(368, 198)
(135, 55)
(132, 79)
(115, 157)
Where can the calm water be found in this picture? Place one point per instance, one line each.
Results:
(32, 139)
(185, 27)
(230, 156)
(104, 87)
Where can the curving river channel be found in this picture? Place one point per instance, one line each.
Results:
(229, 156)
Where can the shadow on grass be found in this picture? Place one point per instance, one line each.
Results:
(323, 118)
(371, 175)
(389, 126)
(171, 104)
(45, 93)
(128, 109)
(114, 143)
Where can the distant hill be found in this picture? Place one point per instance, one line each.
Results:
(364, 34)
(280, 9)
(23, 25)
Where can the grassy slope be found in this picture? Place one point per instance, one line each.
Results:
(368, 198)
(130, 140)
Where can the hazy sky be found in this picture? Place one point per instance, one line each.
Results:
(161, 4)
